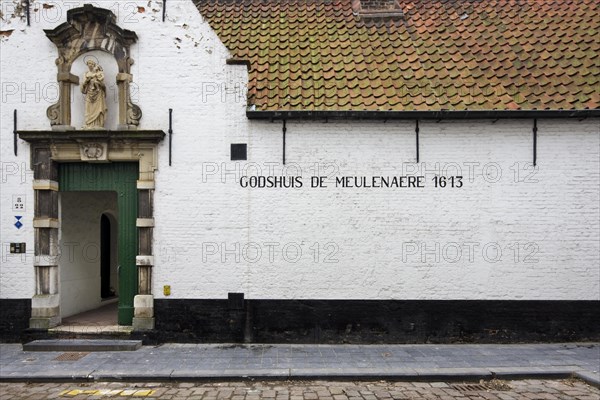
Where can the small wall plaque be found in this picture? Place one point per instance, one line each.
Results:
(18, 202)
(17, 248)
(238, 151)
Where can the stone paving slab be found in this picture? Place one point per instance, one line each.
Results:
(210, 361)
(142, 375)
(36, 375)
(549, 371)
(453, 373)
(186, 375)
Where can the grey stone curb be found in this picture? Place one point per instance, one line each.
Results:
(408, 374)
(592, 379)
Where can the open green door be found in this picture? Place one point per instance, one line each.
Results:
(122, 178)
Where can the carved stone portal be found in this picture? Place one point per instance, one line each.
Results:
(90, 28)
(48, 150)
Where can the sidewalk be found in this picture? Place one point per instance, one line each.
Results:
(183, 362)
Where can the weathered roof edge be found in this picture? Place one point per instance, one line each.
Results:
(421, 115)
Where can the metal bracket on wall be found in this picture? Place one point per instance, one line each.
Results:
(28, 12)
(535, 129)
(284, 130)
(417, 138)
(15, 132)
(170, 133)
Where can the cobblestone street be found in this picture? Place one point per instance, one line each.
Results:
(308, 390)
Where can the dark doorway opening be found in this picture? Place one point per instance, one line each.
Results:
(105, 257)
(120, 179)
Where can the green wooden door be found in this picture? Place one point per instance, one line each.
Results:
(119, 177)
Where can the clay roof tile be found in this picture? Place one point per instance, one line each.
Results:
(442, 54)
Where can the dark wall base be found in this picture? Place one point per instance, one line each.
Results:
(361, 321)
(351, 321)
(14, 318)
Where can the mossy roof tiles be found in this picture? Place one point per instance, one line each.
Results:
(442, 54)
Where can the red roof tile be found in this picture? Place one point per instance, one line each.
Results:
(442, 54)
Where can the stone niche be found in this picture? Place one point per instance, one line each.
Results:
(89, 29)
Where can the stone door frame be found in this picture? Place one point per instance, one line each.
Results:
(50, 148)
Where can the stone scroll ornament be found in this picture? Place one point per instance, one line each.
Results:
(94, 89)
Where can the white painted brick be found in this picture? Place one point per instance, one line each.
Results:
(559, 214)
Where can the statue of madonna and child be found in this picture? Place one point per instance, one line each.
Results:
(94, 90)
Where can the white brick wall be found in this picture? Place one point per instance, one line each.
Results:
(556, 219)
(372, 232)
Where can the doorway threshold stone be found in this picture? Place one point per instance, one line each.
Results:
(93, 329)
(82, 345)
